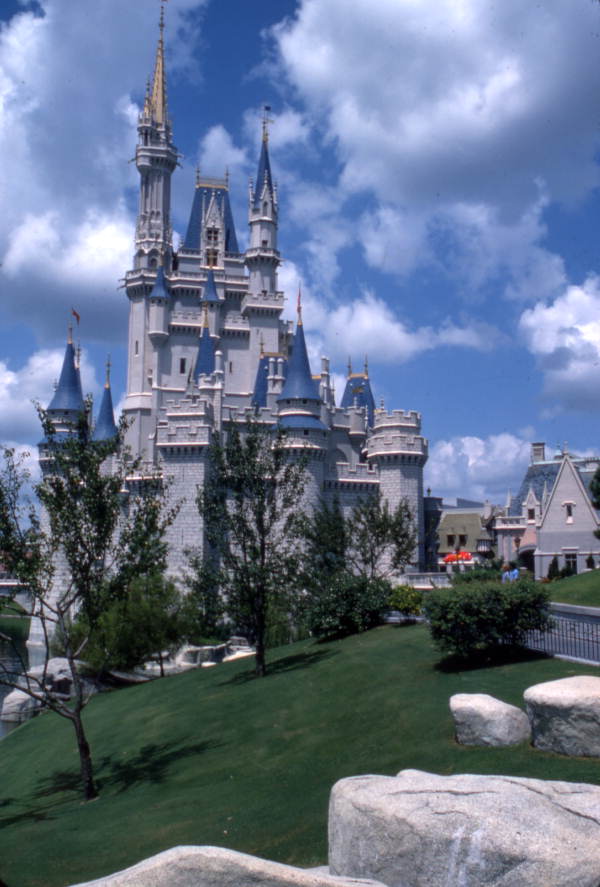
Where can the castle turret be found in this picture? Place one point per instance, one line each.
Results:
(205, 361)
(156, 158)
(105, 427)
(357, 392)
(397, 450)
(67, 403)
(262, 255)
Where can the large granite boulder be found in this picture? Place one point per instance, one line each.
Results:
(18, 706)
(565, 715)
(218, 867)
(423, 830)
(480, 719)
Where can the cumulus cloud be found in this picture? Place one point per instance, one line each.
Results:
(63, 176)
(34, 382)
(564, 335)
(477, 468)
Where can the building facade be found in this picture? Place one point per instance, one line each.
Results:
(207, 344)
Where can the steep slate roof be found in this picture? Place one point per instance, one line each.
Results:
(263, 175)
(105, 428)
(358, 390)
(68, 394)
(202, 198)
(159, 290)
(537, 474)
(259, 395)
(299, 384)
(209, 291)
(205, 361)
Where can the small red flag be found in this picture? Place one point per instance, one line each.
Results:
(76, 315)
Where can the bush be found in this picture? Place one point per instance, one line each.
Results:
(479, 574)
(406, 599)
(466, 620)
(346, 604)
(553, 570)
(589, 562)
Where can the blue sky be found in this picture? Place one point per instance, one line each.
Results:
(438, 172)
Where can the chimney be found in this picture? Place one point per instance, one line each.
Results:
(538, 452)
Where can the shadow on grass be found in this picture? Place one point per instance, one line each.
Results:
(150, 764)
(489, 658)
(281, 666)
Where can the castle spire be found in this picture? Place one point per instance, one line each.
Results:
(299, 383)
(105, 428)
(157, 98)
(264, 179)
(68, 396)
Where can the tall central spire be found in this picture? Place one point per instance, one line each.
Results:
(156, 101)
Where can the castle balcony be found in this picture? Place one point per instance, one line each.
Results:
(379, 446)
(503, 522)
(263, 300)
(262, 252)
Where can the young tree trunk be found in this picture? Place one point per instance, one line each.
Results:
(261, 666)
(85, 759)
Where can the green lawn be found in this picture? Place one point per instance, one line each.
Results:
(583, 589)
(216, 756)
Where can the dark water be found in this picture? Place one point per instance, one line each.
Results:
(9, 657)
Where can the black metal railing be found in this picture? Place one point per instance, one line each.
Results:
(571, 635)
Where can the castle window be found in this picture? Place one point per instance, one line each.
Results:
(212, 256)
(230, 366)
(530, 515)
(305, 432)
(571, 562)
(182, 364)
(212, 235)
(265, 243)
(569, 511)
(137, 348)
(450, 540)
(462, 539)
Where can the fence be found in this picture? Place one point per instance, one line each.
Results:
(572, 634)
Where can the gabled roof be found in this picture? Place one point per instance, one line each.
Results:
(68, 394)
(202, 198)
(358, 391)
(299, 383)
(567, 468)
(263, 176)
(205, 361)
(105, 428)
(209, 292)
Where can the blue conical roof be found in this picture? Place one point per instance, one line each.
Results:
(202, 198)
(205, 362)
(159, 290)
(299, 383)
(259, 397)
(68, 394)
(210, 288)
(263, 175)
(358, 391)
(105, 428)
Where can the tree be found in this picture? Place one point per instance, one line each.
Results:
(349, 562)
(148, 620)
(553, 568)
(253, 525)
(93, 537)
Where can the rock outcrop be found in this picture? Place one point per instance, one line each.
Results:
(218, 867)
(565, 715)
(423, 830)
(480, 719)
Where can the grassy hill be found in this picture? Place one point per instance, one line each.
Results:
(216, 756)
(583, 590)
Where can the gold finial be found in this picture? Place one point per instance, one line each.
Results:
(108, 366)
(265, 123)
(349, 365)
(366, 366)
(299, 305)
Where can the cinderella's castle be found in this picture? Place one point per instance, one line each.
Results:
(207, 343)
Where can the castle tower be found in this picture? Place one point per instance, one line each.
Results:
(105, 427)
(155, 158)
(262, 255)
(399, 452)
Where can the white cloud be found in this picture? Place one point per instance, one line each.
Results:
(34, 381)
(564, 335)
(67, 127)
(477, 468)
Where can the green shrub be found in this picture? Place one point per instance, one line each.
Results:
(553, 570)
(589, 562)
(479, 574)
(469, 619)
(346, 604)
(406, 599)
